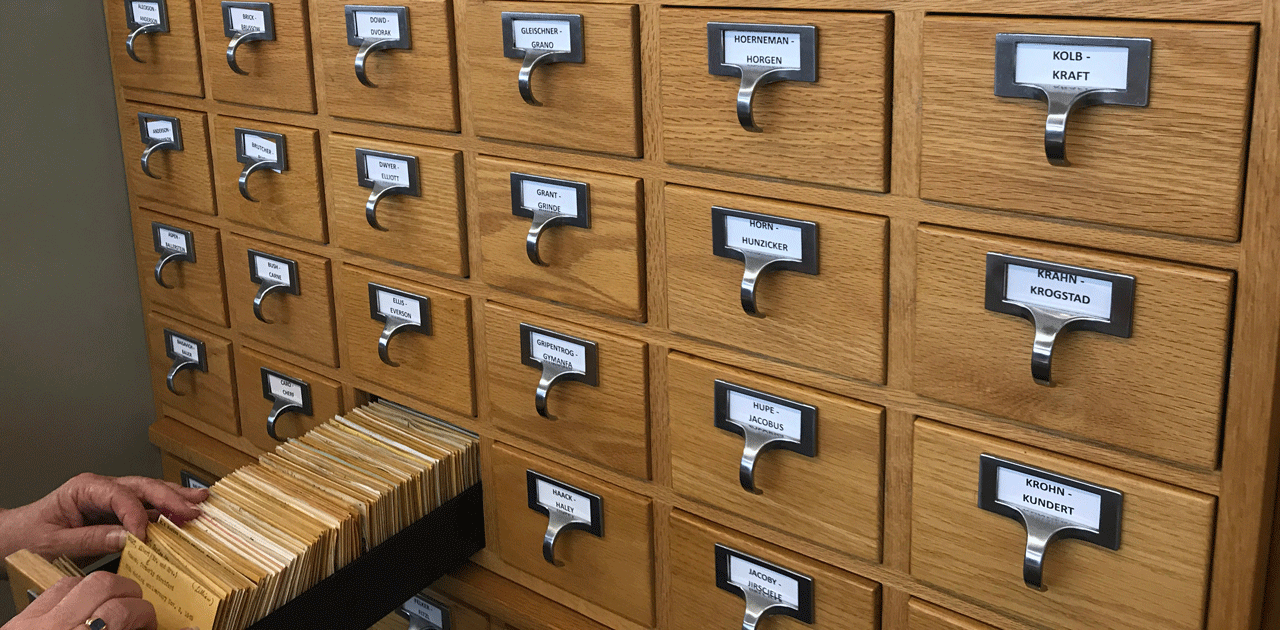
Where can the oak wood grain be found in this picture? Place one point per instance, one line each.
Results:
(1157, 579)
(203, 451)
(291, 201)
(517, 606)
(842, 118)
(1158, 392)
(197, 286)
(170, 61)
(172, 469)
(279, 71)
(208, 397)
(599, 268)
(326, 398)
(186, 176)
(1175, 166)
(926, 616)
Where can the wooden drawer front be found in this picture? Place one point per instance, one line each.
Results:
(1176, 165)
(833, 321)
(599, 266)
(184, 473)
(278, 72)
(614, 569)
(205, 395)
(288, 202)
(840, 600)
(301, 323)
(180, 178)
(434, 365)
(167, 61)
(589, 106)
(456, 615)
(1156, 579)
(925, 616)
(1159, 391)
(195, 285)
(841, 118)
(256, 409)
(197, 450)
(427, 230)
(415, 86)
(832, 498)
(606, 424)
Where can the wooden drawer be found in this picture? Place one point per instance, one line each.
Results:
(288, 202)
(1156, 579)
(432, 364)
(1176, 165)
(613, 569)
(414, 86)
(299, 317)
(277, 73)
(204, 391)
(425, 230)
(591, 106)
(194, 278)
(806, 127)
(179, 176)
(925, 616)
(1159, 391)
(833, 320)
(518, 607)
(832, 497)
(439, 612)
(840, 600)
(605, 423)
(168, 61)
(184, 473)
(196, 450)
(594, 261)
(304, 407)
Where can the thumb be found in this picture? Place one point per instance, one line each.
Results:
(96, 540)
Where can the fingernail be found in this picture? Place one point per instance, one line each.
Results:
(117, 539)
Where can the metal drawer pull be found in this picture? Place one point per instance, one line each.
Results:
(375, 28)
(567, 508)
(761, 54)
(287, 394)
(145, 29)
(520, 29)
(165, 145)
(187, 354)
(144, 18)
(246, 22)
(561, 358)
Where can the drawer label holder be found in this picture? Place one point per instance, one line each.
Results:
(375, 28)
(763, 243)
(174, 245)
(388, 174)
(1050, 507)
(159, 133)
(765, 422)
(540, 39)
(1069, 72)
(767, 588)
(401, 312)
(425, 613)
(187, 353)
(144, 18)
(287, 394)
(548, 202)
(189, 480)
(246, 22)
(761, 54)
(561, 357)
(1056, 298)
(272, 274)
(259, 150)
(567, 508)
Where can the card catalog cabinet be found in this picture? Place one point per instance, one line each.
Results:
(784, 287)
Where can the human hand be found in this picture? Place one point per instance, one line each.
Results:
(73, 602)
(89, 514)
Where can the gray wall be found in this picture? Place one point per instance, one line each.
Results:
(74, 388)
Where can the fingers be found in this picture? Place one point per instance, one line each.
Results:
(81, 542)
(172, 500)
(93, 494)
(92, 592)
(50, 598)
(126, 613)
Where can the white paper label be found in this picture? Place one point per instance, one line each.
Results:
(774, 586)
(248, 20)
(764, 416)
(1080, 508)
(259, 148)
(191, 482)
(173, 241)
(160, 130)
(764, 237)
(769, 50)
(549, 197)
(1060, 291)
(558, 351)
(146, 12)
(272, 270)
(386, 170)
(398, 306)
(184, 348)
(557, 498)
(1092, 67)
(542, 35)
(284, 389)
(377, 25)
(422, 609)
